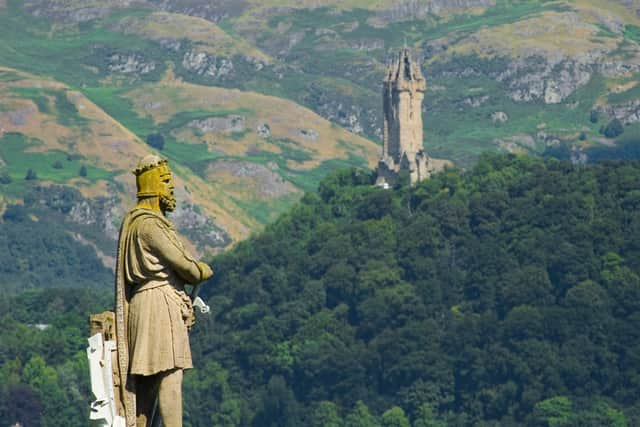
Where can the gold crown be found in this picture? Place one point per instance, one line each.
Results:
(149, 175)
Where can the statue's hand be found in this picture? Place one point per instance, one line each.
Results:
(205, 270)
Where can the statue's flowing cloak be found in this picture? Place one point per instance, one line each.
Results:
(123, 296)
(180, 267)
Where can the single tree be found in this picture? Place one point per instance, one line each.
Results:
(155, 140)
(31, 175)
(613, 129)
(5, 178)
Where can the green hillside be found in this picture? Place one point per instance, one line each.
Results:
(96, 80)
(506, 295)
(502, 292)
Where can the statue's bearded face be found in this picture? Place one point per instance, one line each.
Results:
(167, 198)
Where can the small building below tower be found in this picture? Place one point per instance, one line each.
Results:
(402, 94)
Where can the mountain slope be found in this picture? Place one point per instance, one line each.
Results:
(209, 79)
(239, 164)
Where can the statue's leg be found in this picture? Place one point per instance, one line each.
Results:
(146, 395)
(170, 398)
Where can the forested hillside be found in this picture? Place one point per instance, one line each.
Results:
(506, 295)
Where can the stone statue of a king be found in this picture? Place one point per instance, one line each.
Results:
(153, 312)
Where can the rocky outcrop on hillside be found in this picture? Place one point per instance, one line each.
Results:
(618, 68)
(133, 63)
(627, 113)
(208, 65)
(357, 115)
(20, 116)
(212, 10)
(308, 134)
(530, 79)
(100, 212)
(263, 130)
(62, 12)
(199, 228)
(231, 123)
(419, 9)
(499, 117)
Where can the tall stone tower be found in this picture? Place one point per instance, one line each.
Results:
(402, 94)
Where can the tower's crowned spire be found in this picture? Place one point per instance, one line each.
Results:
(402, 95)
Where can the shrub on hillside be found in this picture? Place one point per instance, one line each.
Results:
(155, 140)
(31, 175)
(613, 129)
(5, 178)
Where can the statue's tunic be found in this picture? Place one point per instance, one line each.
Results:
(156, 267)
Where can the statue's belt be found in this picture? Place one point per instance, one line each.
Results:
(177, 296)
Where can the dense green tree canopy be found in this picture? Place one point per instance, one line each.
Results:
(505, 295)
(471, 298)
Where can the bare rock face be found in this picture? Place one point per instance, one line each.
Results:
(199, 228)
(102, 212)
(367, 44)
(205, 64)
(475, 101)
(62, 13)
(263, 130)
(228, 124)
(309, 134)
(130, 64)
(499, 117)
(618, 68)
(419, 9)
(516, 143)
(171, 44)
(19, 117)
(65, 11)
(530, 79)
(212, 10)
(442, 6)
(627, 113)
(348, 116)
(610, 22)
(269, 184)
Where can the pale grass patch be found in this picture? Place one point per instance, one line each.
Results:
(241, 187)
(619, 88)
(206, 35)
(33, 124)
(550, 34)
(285, 118)
(107, 144)
(90, 189)
(611, 8)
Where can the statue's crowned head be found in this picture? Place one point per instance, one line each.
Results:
(153, 179)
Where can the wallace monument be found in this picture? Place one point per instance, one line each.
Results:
(402, 95)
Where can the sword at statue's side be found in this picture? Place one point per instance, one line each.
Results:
(196, 300)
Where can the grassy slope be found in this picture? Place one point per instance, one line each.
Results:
(508, 31)
(68, 116)
(58, 118)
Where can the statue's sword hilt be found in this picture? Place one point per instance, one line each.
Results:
(198, 302)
